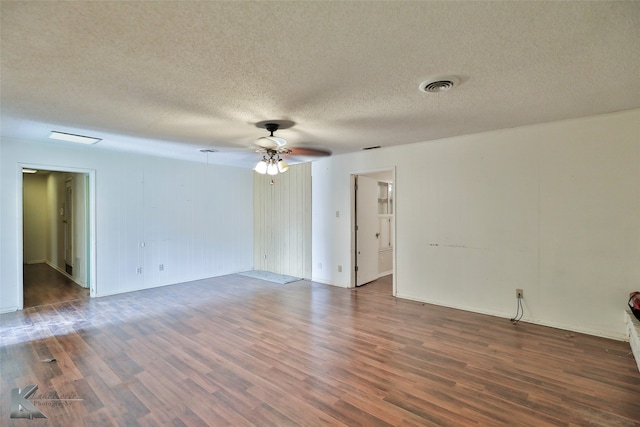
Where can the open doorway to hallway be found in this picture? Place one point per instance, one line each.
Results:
(56, 238)
(373, 227)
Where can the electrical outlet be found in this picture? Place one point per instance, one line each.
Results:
(339, 269)
(139, 270)
(161, 267)
(519, 293)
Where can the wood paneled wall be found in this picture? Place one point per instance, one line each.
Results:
(282, 222)
(158, 220)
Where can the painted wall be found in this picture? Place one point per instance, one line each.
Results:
(195, 220)
(282, 222)
(56, 205)
(34, 216)
(553, 209)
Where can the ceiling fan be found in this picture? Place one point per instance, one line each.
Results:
(274, 149)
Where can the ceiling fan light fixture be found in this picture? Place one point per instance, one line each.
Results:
(271, 164)
(272, 168)
(282, 166)
(261, 167)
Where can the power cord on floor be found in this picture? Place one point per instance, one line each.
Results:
(519, 312)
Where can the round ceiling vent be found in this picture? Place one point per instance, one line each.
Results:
(439, 84)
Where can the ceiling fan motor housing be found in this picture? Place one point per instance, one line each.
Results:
(272, 127)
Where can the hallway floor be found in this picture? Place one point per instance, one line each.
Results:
(43, 285)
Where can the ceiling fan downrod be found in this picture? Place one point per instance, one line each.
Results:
(272, 127)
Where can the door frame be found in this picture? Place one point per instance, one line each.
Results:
(68, 222)
(352, 204)
(91, 224)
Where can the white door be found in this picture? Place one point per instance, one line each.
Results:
(366, 230)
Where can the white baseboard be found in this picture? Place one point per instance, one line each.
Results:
(328, 282)
(588, 331)
(9, 309)
(67, 275)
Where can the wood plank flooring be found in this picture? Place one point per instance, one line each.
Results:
(236, 351)
(43, 284)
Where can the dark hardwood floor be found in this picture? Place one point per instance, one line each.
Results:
(239, 351)
(43, 284)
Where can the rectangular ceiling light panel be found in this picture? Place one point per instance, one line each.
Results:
(73, 138)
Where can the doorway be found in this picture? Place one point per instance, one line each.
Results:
(373, 227)
(57, 245)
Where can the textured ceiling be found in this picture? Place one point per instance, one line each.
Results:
(172, 78)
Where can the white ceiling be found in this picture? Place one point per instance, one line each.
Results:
(172, 78)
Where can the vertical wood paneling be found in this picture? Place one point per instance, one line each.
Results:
(282, 222)
(193, 219)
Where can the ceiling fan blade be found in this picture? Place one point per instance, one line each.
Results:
(304, 155)
(309, 152)
(271, 142)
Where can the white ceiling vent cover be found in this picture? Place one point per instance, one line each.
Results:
(439, 84)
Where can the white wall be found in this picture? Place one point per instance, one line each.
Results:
(35, 218)
(56, 198)
(553, 209)
(195, 219)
